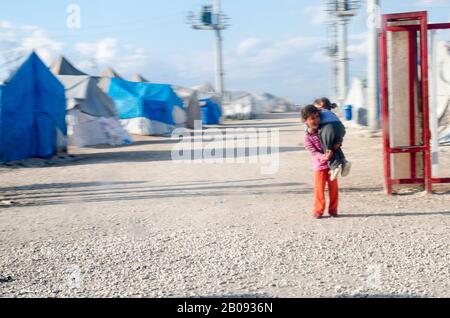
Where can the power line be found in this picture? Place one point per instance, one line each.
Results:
(101, 30)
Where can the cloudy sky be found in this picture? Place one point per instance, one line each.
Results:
(271, 45)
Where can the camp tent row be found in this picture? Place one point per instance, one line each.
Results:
(239, 105)
(43, 110)
(119, 107)
(38, 109)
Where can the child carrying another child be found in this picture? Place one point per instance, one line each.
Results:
(332, 132)
(311, 116)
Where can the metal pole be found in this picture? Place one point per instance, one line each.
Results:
(333, 59)
(372, 64)
(219, 63)
(433, 106)
(343, 60)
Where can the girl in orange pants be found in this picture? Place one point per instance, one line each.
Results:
(321, 179)
(311, 117)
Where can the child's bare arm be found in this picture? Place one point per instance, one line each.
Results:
(337, 146)
(328, 155)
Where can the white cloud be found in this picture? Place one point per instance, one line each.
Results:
(284, 67)
(46, 47)
(320, 57)
(104, 51)
(196, 65)
(249, 46)
(5, 25)
(253, 51)
(360, 48)
(110, 52)
(358, 36)
(317, 13)
(133, 61)
(18, 41)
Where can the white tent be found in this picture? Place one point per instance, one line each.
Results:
(284, 104)
(239, 105)
(191, 104)
(269, 103)
(266, 102)
(248, 105)
(91, 115)
(356, 97)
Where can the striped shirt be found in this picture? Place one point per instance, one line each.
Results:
(313, 145)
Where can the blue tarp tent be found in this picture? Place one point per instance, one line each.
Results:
(32, 108)
(211, 111)
(147, 108)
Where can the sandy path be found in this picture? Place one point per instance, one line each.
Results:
(130, 222)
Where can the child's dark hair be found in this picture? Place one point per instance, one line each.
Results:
(326, 103)
(308, 111)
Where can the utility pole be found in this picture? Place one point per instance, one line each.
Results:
(342, 11)
(331, 52)
(374, 15)
(342, 60)
(219, 57)
(212, 19)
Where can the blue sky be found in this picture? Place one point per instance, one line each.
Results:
(272, 45)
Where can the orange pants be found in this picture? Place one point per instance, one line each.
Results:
(321, 178)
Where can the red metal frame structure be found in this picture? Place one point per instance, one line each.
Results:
(413, 149)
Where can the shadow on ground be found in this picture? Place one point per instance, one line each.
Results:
(66, 193)
(398, 214)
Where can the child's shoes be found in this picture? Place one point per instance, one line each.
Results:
(347, 167)
(335, 172)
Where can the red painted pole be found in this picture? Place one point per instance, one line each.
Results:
(412, 69)
(425, 101)
(385, 107)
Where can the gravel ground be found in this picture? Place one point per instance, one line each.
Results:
(129, 222)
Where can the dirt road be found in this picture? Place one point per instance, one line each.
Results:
(130, 222)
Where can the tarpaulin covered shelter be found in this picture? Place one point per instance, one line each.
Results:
(91, 114)
(146, 108)
(211, 110)
(210, 104)
(32, 112)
